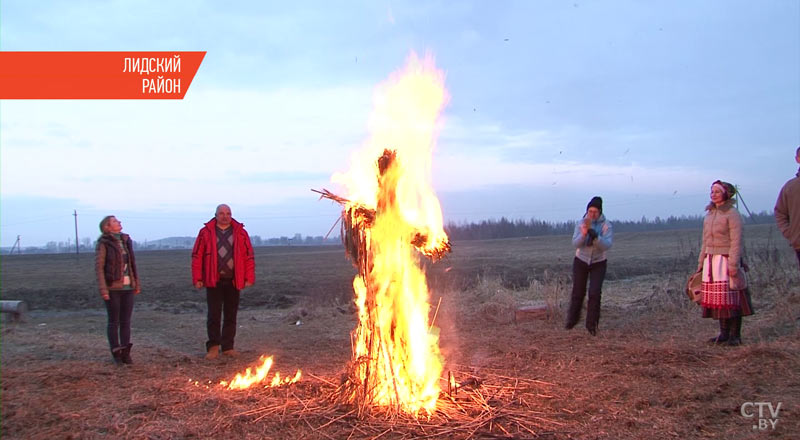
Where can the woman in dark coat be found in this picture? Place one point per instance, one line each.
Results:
(118, 281)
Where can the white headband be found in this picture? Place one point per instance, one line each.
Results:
(722, 188)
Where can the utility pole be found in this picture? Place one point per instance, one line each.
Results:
(77, 244)
(745, 204)
(17, 246)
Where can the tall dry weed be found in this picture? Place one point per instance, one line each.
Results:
(774, 278)
(553, 290)
(668, 294)
(491, 300)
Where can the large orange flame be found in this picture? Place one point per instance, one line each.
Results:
(395, 346)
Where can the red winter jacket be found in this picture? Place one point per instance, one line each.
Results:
(204, 256)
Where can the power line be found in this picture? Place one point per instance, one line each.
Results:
(37, 220)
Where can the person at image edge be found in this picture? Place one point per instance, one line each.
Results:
(787, 209)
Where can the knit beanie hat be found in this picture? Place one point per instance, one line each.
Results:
(597, 202)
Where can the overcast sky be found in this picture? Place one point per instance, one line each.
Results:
(551, 103)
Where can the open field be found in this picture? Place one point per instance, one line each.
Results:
(648, 374)
(322, 275)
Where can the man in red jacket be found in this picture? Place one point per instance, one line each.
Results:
(223, 263)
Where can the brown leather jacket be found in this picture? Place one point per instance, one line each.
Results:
(722, 234)
(108, 265)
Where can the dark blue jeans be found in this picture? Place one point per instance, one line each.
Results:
(595, 273)
(120, 308)
(223, 305)
(798, 255)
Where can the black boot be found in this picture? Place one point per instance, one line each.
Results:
(116, 352)
(126, 354)
(724, 332)
(736, 332)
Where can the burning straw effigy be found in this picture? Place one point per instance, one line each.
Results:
(396, 363)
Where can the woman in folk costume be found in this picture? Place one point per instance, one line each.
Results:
(118, 282)
(725, 297)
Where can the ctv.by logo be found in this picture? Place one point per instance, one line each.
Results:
(764, 422)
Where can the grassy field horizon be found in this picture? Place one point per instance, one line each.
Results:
(286, 275)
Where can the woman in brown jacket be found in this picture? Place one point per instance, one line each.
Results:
(118, 281)
(725, 296)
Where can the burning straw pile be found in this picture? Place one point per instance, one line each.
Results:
(489, 406)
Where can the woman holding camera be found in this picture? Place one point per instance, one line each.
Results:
(725, 297)
(118, 281)
(592, 238)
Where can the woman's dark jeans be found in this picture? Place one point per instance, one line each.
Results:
(120, 308)
(595, 273)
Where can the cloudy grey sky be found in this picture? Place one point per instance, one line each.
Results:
(552, 102)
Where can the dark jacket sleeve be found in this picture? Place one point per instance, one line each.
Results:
(132, 263)
(99, 267)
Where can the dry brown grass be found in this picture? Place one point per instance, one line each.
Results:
(637, 379)
(648, 374)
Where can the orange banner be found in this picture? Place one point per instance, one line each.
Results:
(97, 75)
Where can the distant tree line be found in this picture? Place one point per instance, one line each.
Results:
(297, 239)
(483, 230)
(87, 244)
(505, 228)
(256, 240)
(67, 246)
